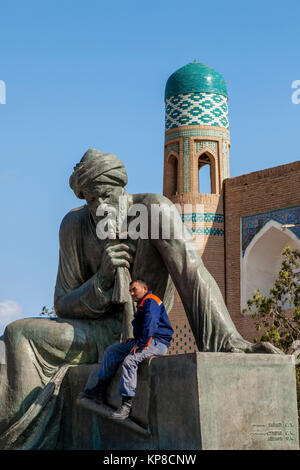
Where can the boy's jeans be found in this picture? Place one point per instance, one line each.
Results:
(117, 353)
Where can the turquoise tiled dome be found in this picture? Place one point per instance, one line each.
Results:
(195, 77)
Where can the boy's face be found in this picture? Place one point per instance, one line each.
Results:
(137, 291)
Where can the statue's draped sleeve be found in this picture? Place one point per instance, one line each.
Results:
(78, 290)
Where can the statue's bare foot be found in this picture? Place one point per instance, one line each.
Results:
(240, 345)
(265, 348)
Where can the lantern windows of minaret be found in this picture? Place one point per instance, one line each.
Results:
(205, 160)
(196, 163)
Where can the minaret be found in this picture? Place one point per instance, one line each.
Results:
(196, 161)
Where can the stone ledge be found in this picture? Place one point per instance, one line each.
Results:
(196, 401)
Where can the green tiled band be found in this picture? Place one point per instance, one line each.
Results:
(194, 109)
(196, 133)
(206, 144)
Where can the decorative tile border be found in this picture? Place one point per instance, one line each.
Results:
(194, 223)
(186, 164)
(173, 148)
(252, 224)
(206, 144)
(206, 231)
(196, 109)
(204, 217)
(196, 133)
(225, 158)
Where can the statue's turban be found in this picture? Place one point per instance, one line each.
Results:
(97, 167)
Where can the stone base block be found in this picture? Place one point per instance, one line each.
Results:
(211, 401)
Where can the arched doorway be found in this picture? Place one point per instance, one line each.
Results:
(262, 259)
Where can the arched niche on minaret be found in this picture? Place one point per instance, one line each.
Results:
(203, 159)
(172, 174)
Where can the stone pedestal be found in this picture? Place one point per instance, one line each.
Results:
(194, 401)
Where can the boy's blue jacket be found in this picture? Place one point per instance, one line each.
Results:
(151, 321)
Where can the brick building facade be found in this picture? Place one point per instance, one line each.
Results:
(258, 206)
(241, 220)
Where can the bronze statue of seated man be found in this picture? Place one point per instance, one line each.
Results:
(38, 350)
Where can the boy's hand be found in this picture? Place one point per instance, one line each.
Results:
(135, 348)
(127, 340)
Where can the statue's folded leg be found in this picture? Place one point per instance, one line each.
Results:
(37, 348)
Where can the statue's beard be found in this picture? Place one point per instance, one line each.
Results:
(113, 216)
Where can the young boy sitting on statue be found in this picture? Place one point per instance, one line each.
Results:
(152, 332)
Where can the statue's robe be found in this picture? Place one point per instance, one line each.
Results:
(40, 350)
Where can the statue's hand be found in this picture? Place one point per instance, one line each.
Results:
(115, 255)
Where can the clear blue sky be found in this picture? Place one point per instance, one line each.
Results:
(83, 74)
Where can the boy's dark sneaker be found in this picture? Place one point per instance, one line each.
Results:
(97, 393)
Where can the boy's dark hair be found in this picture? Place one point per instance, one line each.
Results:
(140, 281)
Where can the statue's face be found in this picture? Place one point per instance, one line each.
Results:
(102, 194)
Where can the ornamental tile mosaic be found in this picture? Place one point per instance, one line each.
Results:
(252, 224)
(196, 109)
(186, 164)
(201, 133)
(225, 158)
(206, 231)
(194, 223)
(197, 133)
(204, 145)
(173, 148)
(202, 217)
